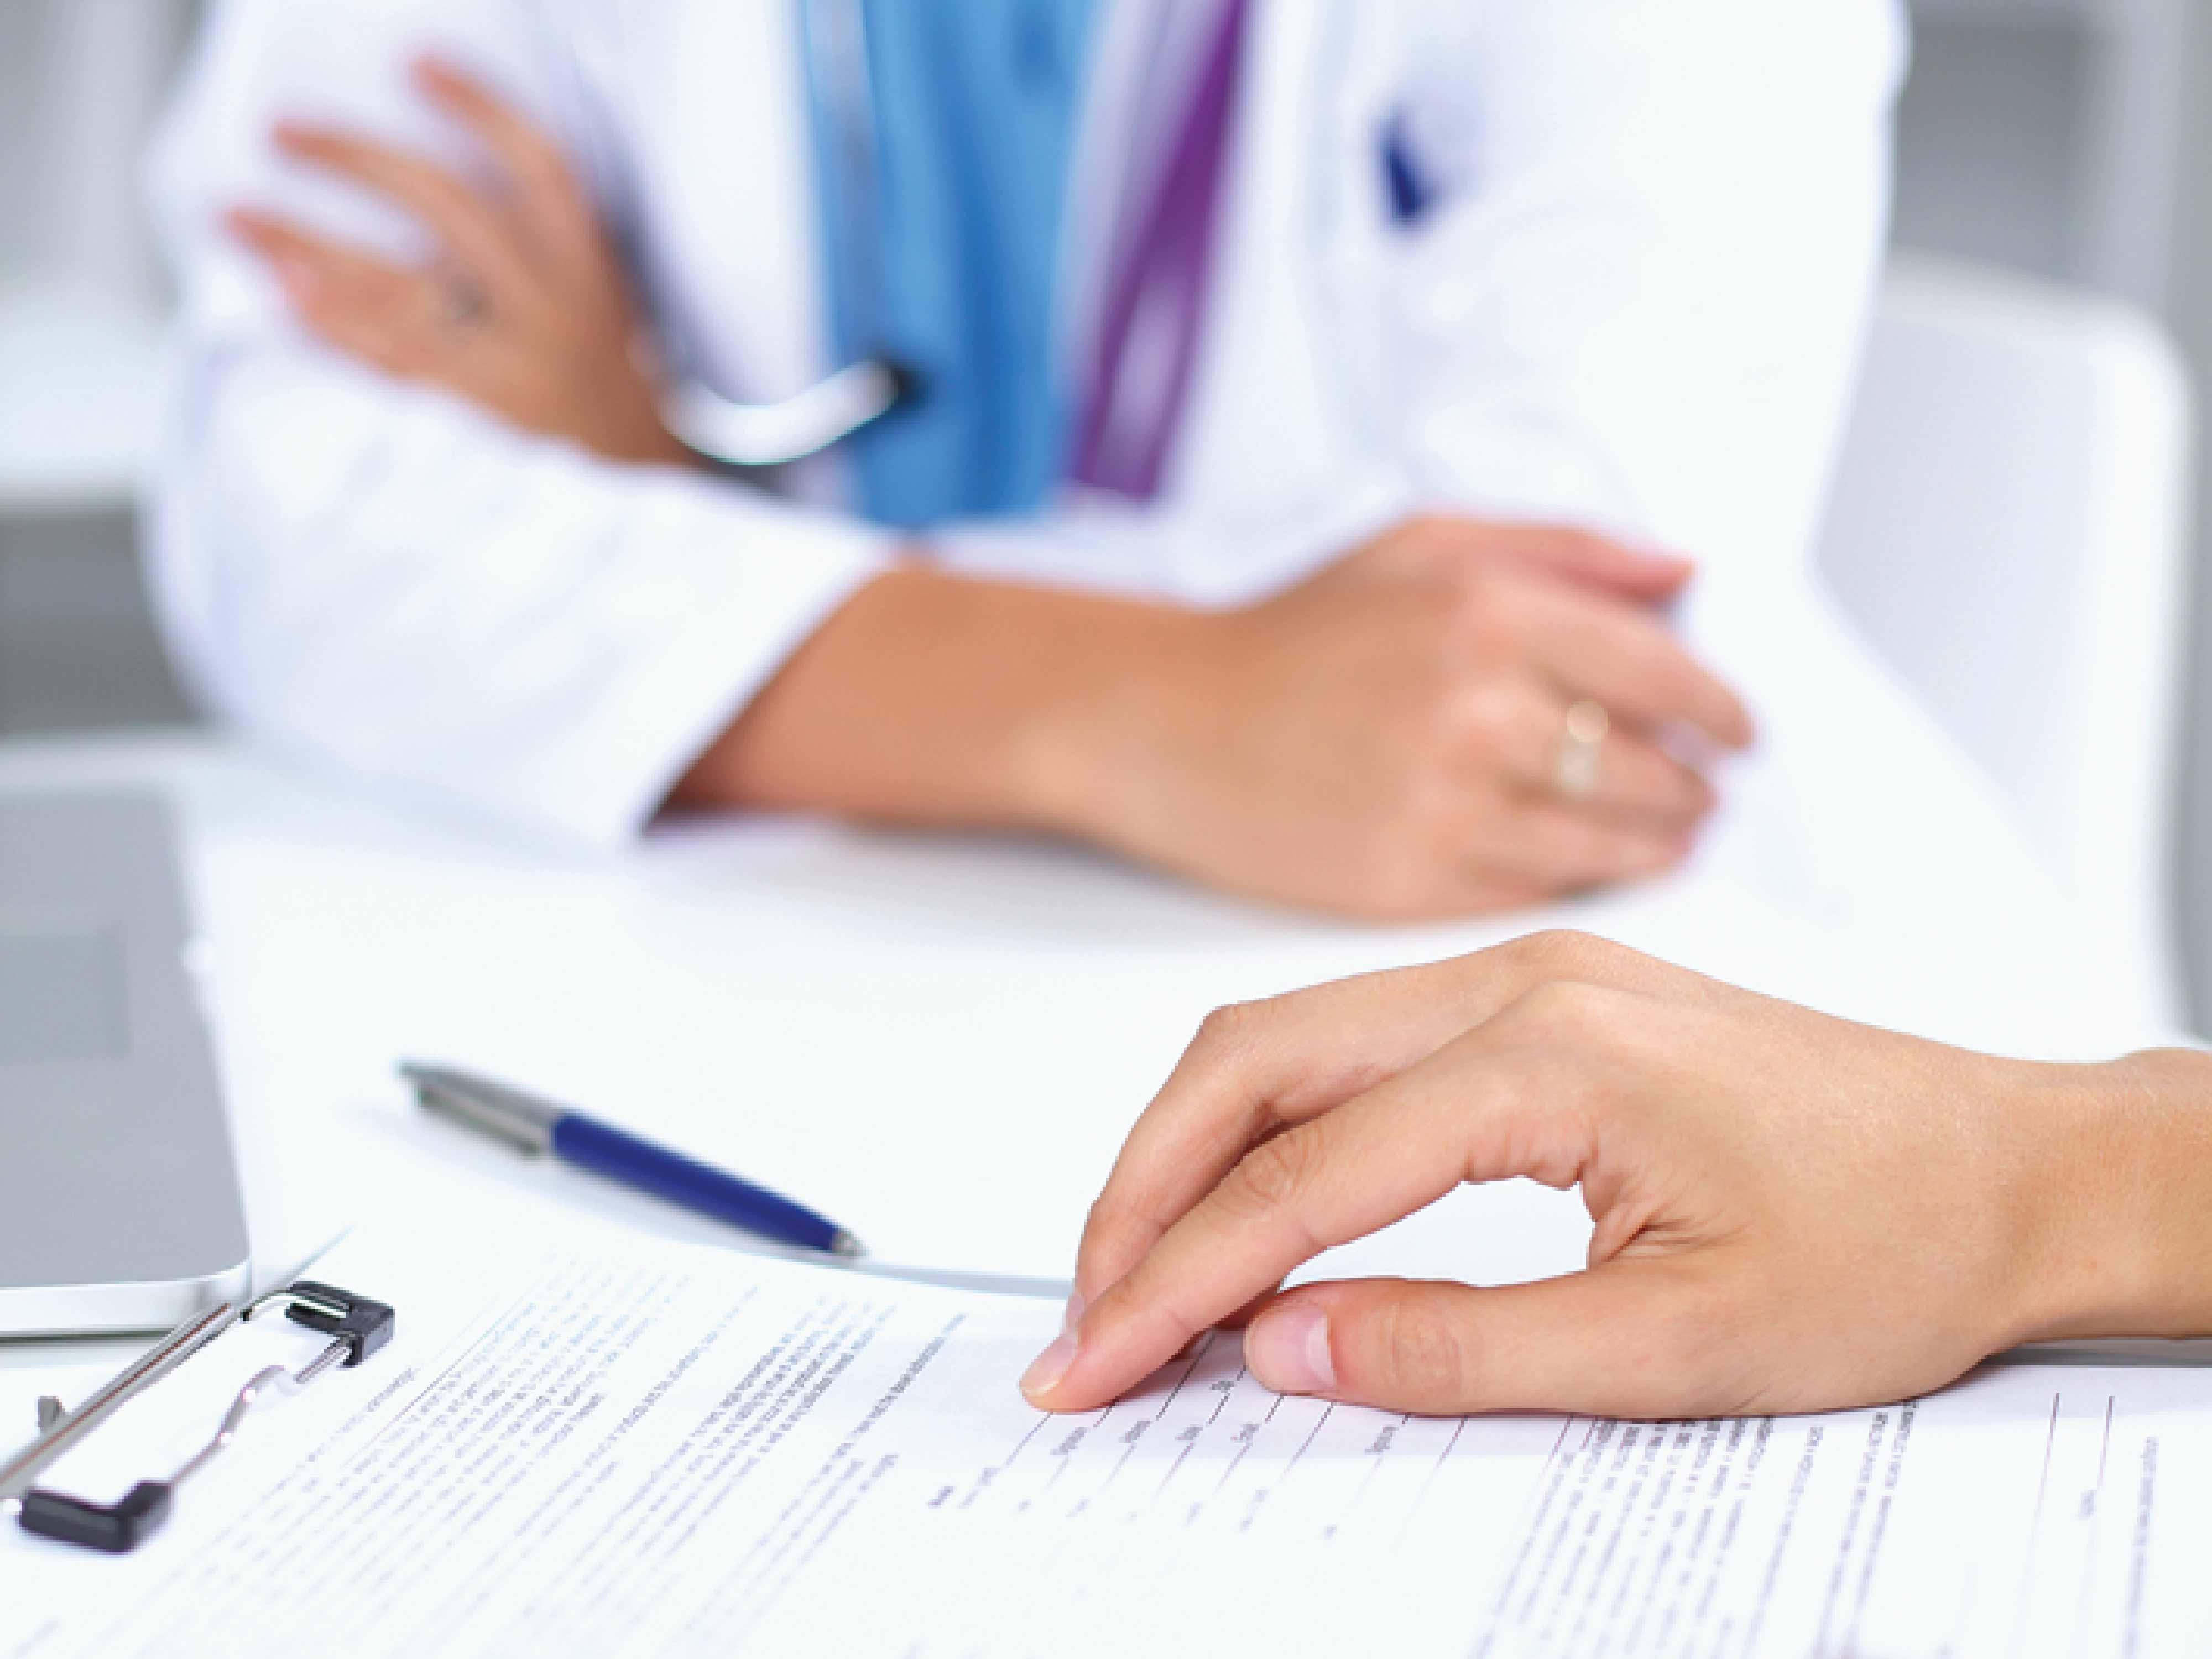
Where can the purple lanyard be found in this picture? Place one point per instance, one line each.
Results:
(1155, 304)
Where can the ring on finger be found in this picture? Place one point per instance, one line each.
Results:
(462, 303)
(1576, 760)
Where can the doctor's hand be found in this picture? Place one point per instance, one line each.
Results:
(527, 310)
(1382, 740)
(1386, 739)
(1793, 1212)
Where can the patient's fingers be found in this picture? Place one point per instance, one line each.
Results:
(1253, 1068)
(1630, 1337)
(1259, 1066)
(1481, 1108)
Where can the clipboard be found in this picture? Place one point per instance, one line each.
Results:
(357, 1327)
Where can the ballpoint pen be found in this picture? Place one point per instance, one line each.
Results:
(539, 1127)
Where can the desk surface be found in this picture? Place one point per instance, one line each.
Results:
(938, 1040)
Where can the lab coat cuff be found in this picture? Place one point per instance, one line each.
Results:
(629, 753)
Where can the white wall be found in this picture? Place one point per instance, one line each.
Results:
(79, 82)
(2073, 139)
(2190, 313)
(22, 32)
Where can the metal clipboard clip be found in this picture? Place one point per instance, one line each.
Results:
(356, 1326)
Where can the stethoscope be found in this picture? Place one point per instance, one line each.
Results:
(834, 408)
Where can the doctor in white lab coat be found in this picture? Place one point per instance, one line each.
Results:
(1500, 300)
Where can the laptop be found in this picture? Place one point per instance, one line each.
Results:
(119, 1202)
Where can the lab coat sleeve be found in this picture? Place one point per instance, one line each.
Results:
(1641, 299)
(380, 577)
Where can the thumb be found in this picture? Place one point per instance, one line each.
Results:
(1624, 1339)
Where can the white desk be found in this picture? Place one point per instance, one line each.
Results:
(939, 1041)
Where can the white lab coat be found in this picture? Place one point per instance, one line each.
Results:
(1636, 307)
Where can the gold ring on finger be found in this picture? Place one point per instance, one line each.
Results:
(1575, 762)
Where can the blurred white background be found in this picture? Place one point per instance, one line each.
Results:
(2064, 138)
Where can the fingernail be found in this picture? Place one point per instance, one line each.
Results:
(1288, 1350)
(1047, 1368)
(1073, 1316)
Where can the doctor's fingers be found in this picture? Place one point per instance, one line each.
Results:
(383, 314)
(1587, 559)
(1591, 646)
(474, 230)
(1453, 546)
(1506, 1098)
(1254, 1068)
(1558, 847)
(1521, 723)
(547, 193)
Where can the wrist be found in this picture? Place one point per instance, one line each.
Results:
(932, 698)
(2118, 1197)
(1113, 709)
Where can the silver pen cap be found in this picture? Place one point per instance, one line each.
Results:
(522, 1121)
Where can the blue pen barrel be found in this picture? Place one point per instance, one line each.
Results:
(593, 1145)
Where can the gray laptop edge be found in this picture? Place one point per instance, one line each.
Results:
(119, 1201)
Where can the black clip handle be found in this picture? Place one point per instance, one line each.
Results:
(363, 1325)
(118, 1527)
(357, 1327)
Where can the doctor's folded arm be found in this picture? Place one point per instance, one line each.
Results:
(1299, 415)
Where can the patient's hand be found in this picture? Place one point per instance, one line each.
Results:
(527, 313)
(1793, 1212)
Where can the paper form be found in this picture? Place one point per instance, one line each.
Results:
(629, 1448)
